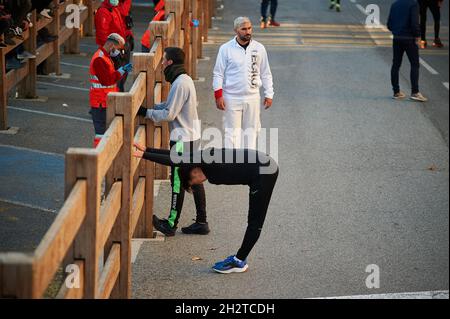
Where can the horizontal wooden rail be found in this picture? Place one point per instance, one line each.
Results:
(109, 193)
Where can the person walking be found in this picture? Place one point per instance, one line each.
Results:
(257, 170)
(406, 31)
(180, 110)
(104, 78)
(242, 67)
(435, 8)
(265, 20)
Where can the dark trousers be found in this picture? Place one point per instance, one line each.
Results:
(435, 11)
(259, 199)
(410, 47)
(265, 6)
(178, 192)
(98, 115)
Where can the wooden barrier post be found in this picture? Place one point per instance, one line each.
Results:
(16, 271)
(27, 88)
(3, 93)
(186, 31)
(175, 7)
(88, 27)
(194, 39)
(145, 62)
(121, 232)
(206, 20)
(159, 29)
(72, 45)
(200, 16)
(83, 164)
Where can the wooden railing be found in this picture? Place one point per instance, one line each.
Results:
(91, 235)
(24, 79)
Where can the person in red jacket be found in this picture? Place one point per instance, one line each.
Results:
(125, 8)
(104, 78)
(108, 19)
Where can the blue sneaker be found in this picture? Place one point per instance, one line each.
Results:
(230, 265)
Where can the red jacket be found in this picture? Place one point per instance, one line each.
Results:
(125, 8)
(103, 78)
(108, 19)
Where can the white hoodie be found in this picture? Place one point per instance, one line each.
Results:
(240, 73)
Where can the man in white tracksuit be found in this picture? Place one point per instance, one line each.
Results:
(242, 67)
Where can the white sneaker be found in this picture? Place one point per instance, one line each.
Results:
(418, 97)
(46, 13)
(399, 96)
(25, 55)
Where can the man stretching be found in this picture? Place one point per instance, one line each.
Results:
(227, 167)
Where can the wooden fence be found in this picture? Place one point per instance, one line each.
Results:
(24, 79)
(92, 235)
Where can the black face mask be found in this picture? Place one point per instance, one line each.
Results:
(172, 72)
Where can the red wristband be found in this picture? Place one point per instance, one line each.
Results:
(218, 94)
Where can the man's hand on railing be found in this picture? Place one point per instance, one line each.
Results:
(140, 147)
(142, 111)
(138, 154)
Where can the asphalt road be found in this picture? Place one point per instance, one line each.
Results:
(355, 185)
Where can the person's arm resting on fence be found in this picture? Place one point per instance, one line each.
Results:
(177, 98)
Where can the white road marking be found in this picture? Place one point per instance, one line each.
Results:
(63, 86)
(47, 210)
(428, 67)
(438, 294)
(67, 117)
(75, 65)
(446, 84)
(19, 148)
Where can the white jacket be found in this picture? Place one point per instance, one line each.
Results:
(240, 73)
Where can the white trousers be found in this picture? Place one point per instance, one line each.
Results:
(242, 123)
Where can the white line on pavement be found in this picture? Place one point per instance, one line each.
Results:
(67, 117)
(75, 65)
(63, 86)
(428, 67)
(438, 294)
(19, 148)
(446, 84)
(47, 210)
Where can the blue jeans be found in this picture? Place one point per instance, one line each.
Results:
(410, 47)
(265, 6)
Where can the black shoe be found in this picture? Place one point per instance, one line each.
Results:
(196, 229)
(163, 226)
